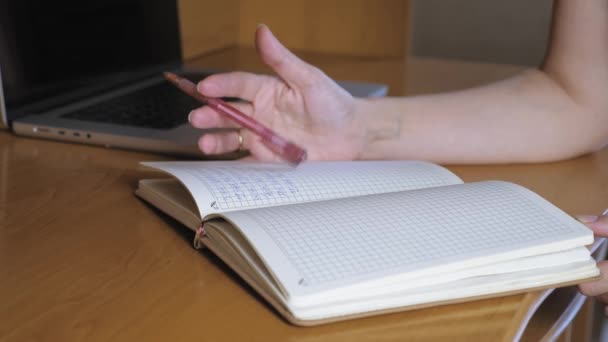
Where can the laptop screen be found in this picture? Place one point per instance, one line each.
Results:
(52, 48)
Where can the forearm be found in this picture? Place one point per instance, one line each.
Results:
(526, 118)
(556, 112)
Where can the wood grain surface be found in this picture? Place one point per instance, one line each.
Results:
(81, 258)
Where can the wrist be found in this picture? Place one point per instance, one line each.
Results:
(381, 126)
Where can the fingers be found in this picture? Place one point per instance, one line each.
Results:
(207, 117)
(288, 66)
(224, 142)
(599, 224)
(228, 141)
(242, 85)
(598, 287)
(248, 159)
(246, 86)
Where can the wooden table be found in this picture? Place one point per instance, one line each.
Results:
(81, 258)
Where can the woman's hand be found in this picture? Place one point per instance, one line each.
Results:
(303, 105)
(598, 288)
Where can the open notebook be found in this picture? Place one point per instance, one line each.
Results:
(333, 240)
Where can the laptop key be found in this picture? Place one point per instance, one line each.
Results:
(160, 106)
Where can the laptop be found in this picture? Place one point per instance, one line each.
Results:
(90, 72)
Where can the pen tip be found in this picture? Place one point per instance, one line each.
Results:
(294, 154)
(170, 76)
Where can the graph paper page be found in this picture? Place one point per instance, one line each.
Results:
(319, 246)
(228, 186)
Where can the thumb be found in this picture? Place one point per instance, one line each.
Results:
(599, 224)
(288, 66)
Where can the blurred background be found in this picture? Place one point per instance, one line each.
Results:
(493, 31)
(446, 45)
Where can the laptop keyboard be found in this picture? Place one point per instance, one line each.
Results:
(159, 106)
